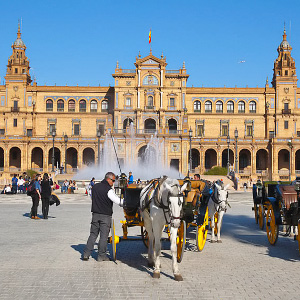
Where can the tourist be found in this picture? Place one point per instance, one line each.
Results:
(7, 190)
(138, 181)
(14, 182)
(36, 196)
(21, 182)
(245, 187)
(130, 178)
(45, 194)
(64, 187)
(92, 183)
(55, 186)
(197, 177)
(103, 197)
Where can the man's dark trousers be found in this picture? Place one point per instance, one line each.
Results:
(100, 223)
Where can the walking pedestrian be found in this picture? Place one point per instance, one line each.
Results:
(130, 178)
(36, 196)
(14, 183)
(21, 182)
(103, 196)
(45, 194)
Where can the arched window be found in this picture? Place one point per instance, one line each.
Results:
(60, 105)
(172, 124)
(197, 106)
(150, 80)
(241, 107)
(150, 102)
(104, 105)
(208, 107)
(94, 106)
(71, 105)
(127, 122)
(150, 126)
(49, 105)
(219, 107)
(252, 107)
(230, 107)
(82, 106)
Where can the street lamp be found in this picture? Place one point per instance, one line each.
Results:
(66, 141)
(190, 136)
(236, 135)
(53, 136)
(98, 136)
(228, 164)
(290, 160)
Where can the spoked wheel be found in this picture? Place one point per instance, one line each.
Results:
(145, 237)
(114, 240)
(261, 216)
(272, 228)
(202, 232)
(181, 239)
(256, 213)
(216, 222)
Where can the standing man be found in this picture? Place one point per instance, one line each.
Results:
(197, 177)
(130, 178)
(103, 197)
(14, 183)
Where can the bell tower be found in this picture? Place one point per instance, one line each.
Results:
(18, 63)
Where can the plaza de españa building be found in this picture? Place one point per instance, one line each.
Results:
(258, 126)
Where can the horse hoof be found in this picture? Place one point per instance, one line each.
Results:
(219, 241)
(178, 277)
(212, 241)
(156, 275)
(150, 264)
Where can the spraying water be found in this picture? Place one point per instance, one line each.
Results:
(145, 162)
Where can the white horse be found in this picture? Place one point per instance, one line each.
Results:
(161, 202)
(217, 203)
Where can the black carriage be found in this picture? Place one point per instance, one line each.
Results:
(283, 209)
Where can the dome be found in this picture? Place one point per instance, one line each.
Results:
(19, 43)
(284, 44)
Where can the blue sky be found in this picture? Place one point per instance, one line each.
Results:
(70, 42)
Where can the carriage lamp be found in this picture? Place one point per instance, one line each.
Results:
(123, 182)
(53, 133)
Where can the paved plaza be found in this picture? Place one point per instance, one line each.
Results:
(40, 259)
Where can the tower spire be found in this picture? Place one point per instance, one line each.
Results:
(19, 30)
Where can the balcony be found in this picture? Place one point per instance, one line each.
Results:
(147, 131)
(230, 111)
(286, 111)
(149, 107)
(171, 107)
(15, 109)
(241, 111)
(208, 111)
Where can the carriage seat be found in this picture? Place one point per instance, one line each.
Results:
(289, 195)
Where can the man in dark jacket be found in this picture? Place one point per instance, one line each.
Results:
(103, 197)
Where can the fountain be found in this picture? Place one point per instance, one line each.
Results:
(149, 162)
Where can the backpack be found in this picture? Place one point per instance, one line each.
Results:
(31, 189)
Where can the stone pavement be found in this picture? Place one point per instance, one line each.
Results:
(40, 259)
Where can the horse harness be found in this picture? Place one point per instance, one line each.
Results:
(217, 201)
(152, 193)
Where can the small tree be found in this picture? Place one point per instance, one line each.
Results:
(216, 171)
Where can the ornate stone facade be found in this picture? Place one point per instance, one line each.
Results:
(158, 101)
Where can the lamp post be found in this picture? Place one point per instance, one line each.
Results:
(98, 136)
(190, 136)
(66, 141)
(290, 160)
(228, 142)
(53, 136)
(236, 135)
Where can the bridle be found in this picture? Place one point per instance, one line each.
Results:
(217, 201)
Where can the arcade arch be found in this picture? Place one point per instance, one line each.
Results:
(37, 158)
(15, 158)
(88, 156)
(210, 159)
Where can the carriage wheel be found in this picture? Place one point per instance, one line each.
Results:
(261, 216)
(145, 237)
(113, 241)
(256, 213)
(181, 239)
(202, 232)
(216, 222)
(272, 228)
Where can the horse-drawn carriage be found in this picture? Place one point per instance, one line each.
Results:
(283, 209)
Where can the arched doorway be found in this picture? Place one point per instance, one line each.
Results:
(244, 160)
(15, 158)
(37, 159)
(225, 158)
(297, 161)
(57, 160)
(127, 122)
(147, 155)
(88, 156)
(172, 124)
(283, 160)
(210, 159)
(1, 159)
(195, 158)
(261, 160)
(150, 126)
(72, 158)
